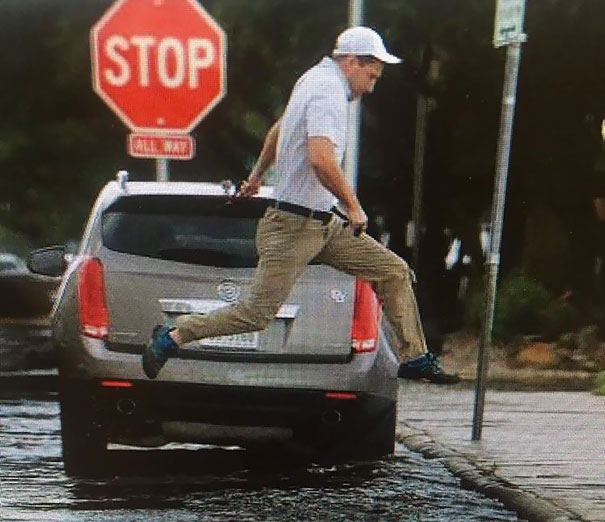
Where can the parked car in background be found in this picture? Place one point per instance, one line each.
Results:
(11, 263)
(25, 295)
(320, 380)
(25, 332)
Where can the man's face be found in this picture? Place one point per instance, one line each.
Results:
(363, 75)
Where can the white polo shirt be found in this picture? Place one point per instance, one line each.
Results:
(318, 106)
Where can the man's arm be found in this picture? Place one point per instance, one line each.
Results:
(322, 157)
(267, 156)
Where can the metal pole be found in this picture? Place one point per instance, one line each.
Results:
(355, 12)
(421, 115)
(513, 56)
(161, 169)
(356, 8)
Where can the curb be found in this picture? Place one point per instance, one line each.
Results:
(482, 479)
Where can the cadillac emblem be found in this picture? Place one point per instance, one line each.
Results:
(228, 291)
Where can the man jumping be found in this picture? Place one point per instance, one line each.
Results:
(307, 145)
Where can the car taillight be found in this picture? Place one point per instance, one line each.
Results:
(341, 396)
(366, 318)
(94, 316)
(116, 384)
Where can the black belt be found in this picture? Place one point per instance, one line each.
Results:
(299, 210)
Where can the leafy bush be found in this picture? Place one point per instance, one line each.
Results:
(557, 318)
(599, 384)
(523, 307)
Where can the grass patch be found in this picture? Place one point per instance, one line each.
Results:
(599, 384)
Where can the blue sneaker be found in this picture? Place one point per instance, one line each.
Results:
(426, 367)
(156, 353)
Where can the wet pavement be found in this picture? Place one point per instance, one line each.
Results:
(25, 343)
(215, 485)
(551, 444)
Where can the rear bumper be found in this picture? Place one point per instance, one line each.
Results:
(374, 373)
(154, 413)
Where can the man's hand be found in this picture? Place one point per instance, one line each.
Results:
(322, 156)
(250, 187)
(358, 220)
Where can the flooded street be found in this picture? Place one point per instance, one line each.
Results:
(212, 484)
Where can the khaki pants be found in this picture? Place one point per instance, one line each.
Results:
(286, 243)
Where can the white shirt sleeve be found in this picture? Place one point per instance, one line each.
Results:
(325, 113)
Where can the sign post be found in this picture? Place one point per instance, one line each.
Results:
(508, 31)
(160, 65)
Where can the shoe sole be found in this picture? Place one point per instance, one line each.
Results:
(424, 378)
(150, 366)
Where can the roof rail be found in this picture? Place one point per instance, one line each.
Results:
(122, 178)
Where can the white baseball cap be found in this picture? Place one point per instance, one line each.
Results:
(363, 41)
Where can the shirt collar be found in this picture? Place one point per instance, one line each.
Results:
(330, 62)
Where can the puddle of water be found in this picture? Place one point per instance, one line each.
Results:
(219, 485)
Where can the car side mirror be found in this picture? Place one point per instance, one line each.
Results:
(48, 261)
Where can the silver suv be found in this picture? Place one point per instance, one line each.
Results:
(320, 379)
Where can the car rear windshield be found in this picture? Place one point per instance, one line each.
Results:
(203, 230)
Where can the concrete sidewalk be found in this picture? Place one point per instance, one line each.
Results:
(549, 445)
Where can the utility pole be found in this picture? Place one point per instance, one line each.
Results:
(424, 105)
(508, 31)
(356, 8)
(422, 109)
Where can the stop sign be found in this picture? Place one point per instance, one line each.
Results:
(159, 64)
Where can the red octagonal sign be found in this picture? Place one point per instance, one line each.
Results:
(159, 64)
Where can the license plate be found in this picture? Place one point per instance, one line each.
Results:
(242, 341)
(246, 341)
